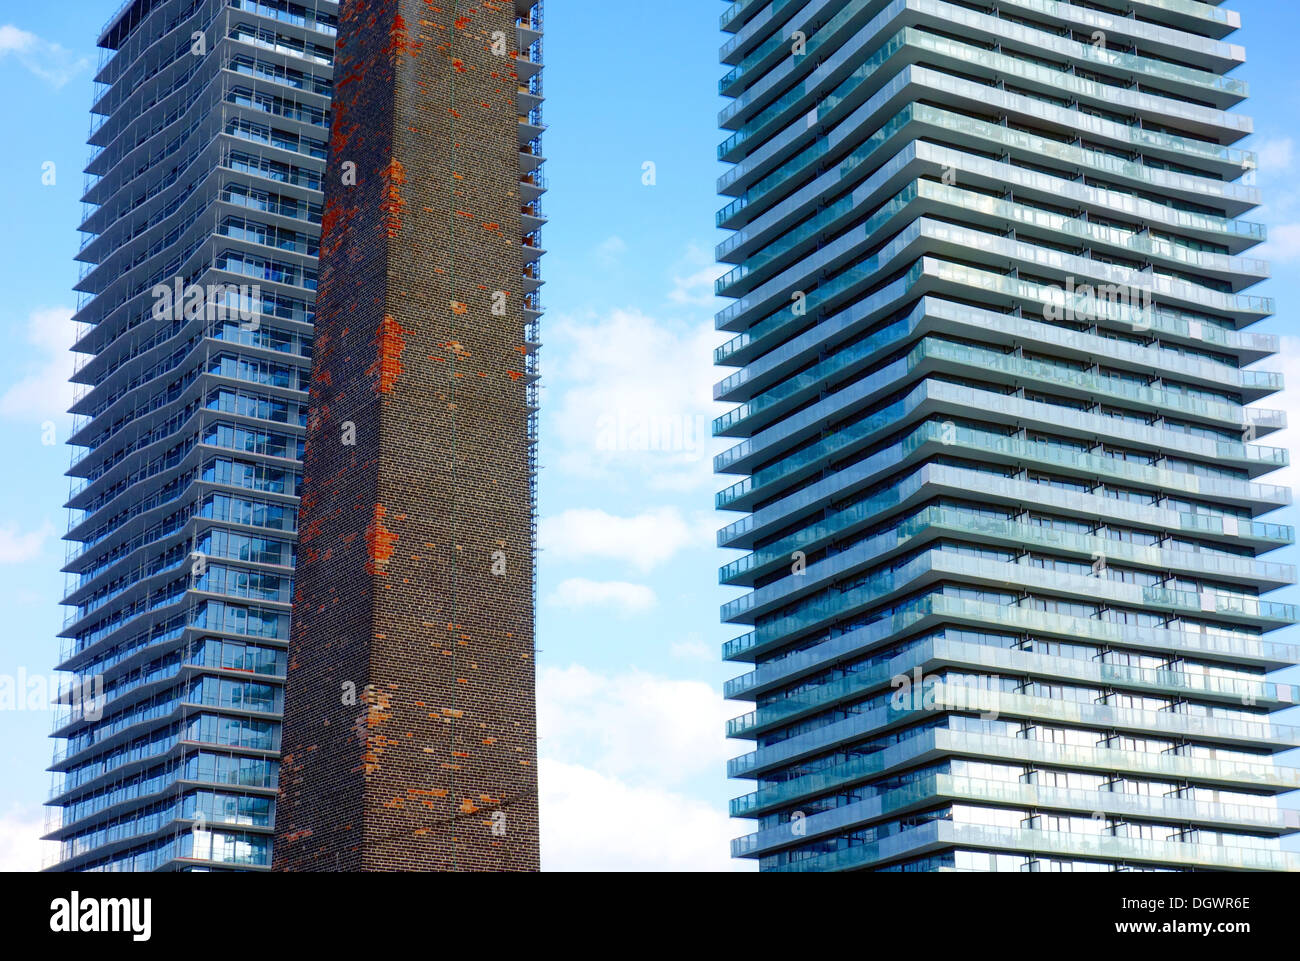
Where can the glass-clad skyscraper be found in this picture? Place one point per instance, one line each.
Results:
(202, 232)
(1002, 474)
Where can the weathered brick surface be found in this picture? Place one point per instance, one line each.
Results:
(396, 592)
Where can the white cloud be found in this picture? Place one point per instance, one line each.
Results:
(18, 547)
(44, 393)
(693, 282)
(1283, 244)
(1286, 362)
(617, 753)
(638, 399)
(53, 63)
(692, 648)
(593, 822)
(695, 288)
(637, 726)
(21, 846)
(626, 598)
(610, 250)
(1275, 156)
(644, 541)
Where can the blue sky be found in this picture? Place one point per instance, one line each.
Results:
(631, 719)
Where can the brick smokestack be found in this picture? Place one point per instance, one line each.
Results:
(409, 737)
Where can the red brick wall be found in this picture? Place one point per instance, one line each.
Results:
(434, 767)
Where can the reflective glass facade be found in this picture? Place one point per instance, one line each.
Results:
(1000, 473)
(209, 136)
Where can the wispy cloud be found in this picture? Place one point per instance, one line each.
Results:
(610, 250)
(625, 598)
(692, 648)
(53, 63)
(1277, 160)
(1276, 155)
(20, 839)
(637, 399)
(617, 753)
(596, 822)
(1283, 243)
(693, 280)
(44, 392)
(1286, 362)
(641, 727)
(17, 547)
(643, 541)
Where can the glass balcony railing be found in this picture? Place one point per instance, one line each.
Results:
(1000, 140)
(1219, 602)
(1008, 490)
(974, 23)
(1169, 643)
(1175, 323)
(1114, 97)
(940, 698)
(1035, 844)
(981, 321)
(1029, 751)
(310, 19)
(1035, 586)
(741, 6)
(808, 382)
(778, 41)
(860, 234)
(981, 526)
(1102, 500)
(800, 91)
(1029, 797)
(1083, 302)
(1087, 288)
(1022, 617)
(824, 296)
(1103, 676)
(1025, 577)
(1010, 66)
(1120, 24)
(1194, 8)
(1087, 232)
(789, 242)
(846, 440)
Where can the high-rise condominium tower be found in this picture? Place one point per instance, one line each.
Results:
(206, 194)
(211, 122)
(410, 734)
(1001, 486)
